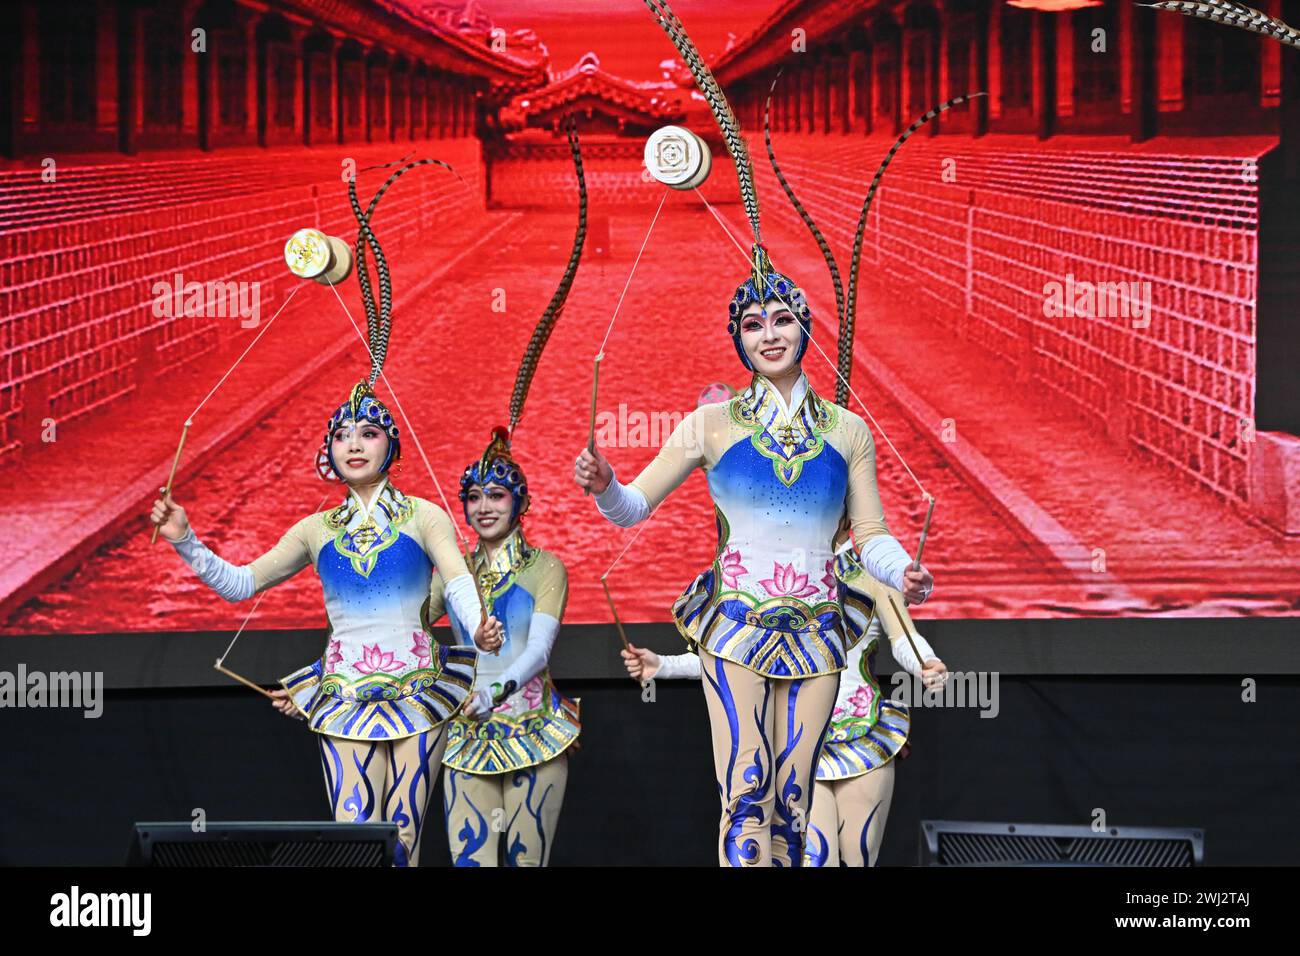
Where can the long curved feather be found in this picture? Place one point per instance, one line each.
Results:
(845, 366)
(718, 105)
(379, 321)
(850, 311)
(1233, 14)
(546, 324)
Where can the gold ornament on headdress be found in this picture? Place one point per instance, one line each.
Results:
(359, 393)
(762, 265)
(498, 448)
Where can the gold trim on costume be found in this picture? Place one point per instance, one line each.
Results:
(805, 428)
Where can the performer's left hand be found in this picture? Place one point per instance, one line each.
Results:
(934, 673)
(282, 702)
(489, 635)
(917, 585)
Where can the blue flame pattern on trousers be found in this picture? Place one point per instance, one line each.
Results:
(522, 806)
(848, 819)
(384, 780)
(766, 735)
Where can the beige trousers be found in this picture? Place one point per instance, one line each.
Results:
(767, 734)
(848, 819)
(384, 780)
(522, 804)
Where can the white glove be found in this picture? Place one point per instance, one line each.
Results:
(231, 582)
(622, 504)
(679, 665)
(902, 652)
(885, 560)
(462, 599)
(541, 638)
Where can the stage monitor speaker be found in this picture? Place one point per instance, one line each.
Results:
(263, 844)
(961, 843)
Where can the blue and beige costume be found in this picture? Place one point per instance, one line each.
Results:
(855, 772)
(506, 775)
(382, 694)
(506, 762)
(772, 619)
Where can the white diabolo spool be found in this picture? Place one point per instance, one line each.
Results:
(677, 157)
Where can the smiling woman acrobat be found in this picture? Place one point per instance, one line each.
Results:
(507, 761)
(771, 620)
(381, 695)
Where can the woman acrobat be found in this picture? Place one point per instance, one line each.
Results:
(381, 696)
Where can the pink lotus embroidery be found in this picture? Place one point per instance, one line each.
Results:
(732, 569)
(832, 584)
(787, 582)
(533, 692)
(532, 696)
(333, 656)
(421, 650)
(836, 712)
(861, 700)
(374, 659)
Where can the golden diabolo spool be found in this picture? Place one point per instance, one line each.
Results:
(310, 254)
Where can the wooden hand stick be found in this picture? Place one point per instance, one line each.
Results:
(925, 530)
(617, 623)
(906, 633)
(591, 430)
(243, 680)
(172, 477)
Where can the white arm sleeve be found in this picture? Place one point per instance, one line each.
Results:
(679, 665)
(622, 504)
(885, 560)
(902, 651)
(541, 638)
(231, 582)
(462, 598)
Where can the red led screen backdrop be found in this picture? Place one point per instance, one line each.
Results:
(1075, 323)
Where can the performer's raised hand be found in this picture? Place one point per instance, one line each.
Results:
(169, 517)
(280, 701)
(592, 471)
(489, 635)
(641, 663)
(917, 585)
(934, 673)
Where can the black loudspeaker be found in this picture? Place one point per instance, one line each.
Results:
(263, 844)
(960, 843)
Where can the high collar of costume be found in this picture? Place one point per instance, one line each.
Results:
(509, 556)
(766, 402)
(386, 506)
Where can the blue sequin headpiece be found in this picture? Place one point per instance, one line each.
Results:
(362, 407)
(496, 467)
(775, 286)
